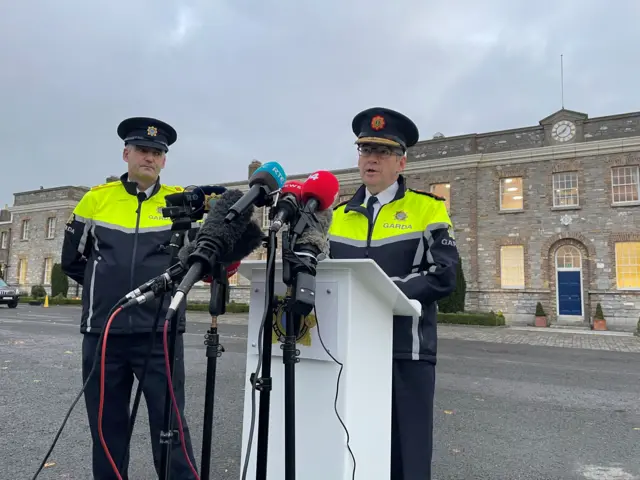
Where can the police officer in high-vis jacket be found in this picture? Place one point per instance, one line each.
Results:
(408, 233)
(116, 240)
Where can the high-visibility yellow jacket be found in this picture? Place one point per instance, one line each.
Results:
(412, 241)
(116, 240)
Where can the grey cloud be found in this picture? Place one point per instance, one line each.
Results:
(282, 80)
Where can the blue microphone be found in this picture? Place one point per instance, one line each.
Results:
(264, 181)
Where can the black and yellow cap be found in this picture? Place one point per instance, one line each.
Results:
(385, 127)
(147, 132)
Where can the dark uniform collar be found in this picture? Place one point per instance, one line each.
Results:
(132, 187)
(358, 198)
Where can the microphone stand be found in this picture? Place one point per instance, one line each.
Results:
(299, 276)
(217, 307)
(264, 383)
(168, 434)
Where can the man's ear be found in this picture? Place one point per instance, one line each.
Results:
(402, 163)
(125, 154)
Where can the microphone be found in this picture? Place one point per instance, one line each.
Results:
(265, 180)
(320, 191)
(288, 204)
(313, 242)
(192, 200)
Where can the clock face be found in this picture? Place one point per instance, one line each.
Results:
(563, 131)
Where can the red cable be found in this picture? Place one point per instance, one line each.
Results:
(173, 399)
(100, 410)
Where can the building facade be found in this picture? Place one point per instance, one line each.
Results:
(548, 213)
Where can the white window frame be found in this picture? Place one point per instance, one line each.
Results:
(24, 232)
(635, 172)
(502, 182)
(556, 185)
(51, 227)
(47, 269)
(4, 239)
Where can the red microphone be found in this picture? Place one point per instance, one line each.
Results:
(320, 191)
(288, 204)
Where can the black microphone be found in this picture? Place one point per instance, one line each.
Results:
(313, 242)
(264, 181)
(288, 205)
(215, 239)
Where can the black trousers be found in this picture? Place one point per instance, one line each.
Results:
(412, 419)
(125, 358)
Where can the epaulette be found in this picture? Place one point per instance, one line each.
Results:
(173, 188)
(428, 194)
(115, 183)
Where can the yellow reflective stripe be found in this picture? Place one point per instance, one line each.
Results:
(120, 228)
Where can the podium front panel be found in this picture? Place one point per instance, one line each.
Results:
(309, 344)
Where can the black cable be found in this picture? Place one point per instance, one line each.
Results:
(93, 368)
(335, 402)
(267, 311)
(136, 401)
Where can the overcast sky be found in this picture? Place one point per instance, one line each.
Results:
(282, 79)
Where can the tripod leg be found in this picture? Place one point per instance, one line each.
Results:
(290, 358)
(214, 350)
(168, 434)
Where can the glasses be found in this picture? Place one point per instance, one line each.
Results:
(380, 151)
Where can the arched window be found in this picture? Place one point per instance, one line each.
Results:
(567, 257)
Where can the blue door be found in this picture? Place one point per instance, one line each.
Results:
(569, 293)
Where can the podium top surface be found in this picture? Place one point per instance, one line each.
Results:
(366, 270)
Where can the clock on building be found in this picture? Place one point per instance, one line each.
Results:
(563, 131)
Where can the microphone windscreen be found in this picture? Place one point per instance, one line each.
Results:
(318, 238)
(250, 240)
(293, 187)
(270, 174)
(322, 186)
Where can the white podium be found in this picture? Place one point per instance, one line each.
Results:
(355, 303)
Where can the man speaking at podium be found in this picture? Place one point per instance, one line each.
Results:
(408, 233)
(116, 240)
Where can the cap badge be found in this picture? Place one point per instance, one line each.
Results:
(401, 215)
(377, 122)
(152, 131)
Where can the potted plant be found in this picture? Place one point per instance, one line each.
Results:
(637, 332)
(541, 317)
(599, 323)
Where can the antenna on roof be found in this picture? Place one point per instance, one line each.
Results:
(562, 80)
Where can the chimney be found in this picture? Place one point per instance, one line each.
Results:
(112, 178)
(253, 166)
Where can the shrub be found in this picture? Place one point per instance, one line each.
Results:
(540, 310)
(478, 318)
(59, 281)
(637, 332)
(455, 301)
(38, 291)
(599, 315)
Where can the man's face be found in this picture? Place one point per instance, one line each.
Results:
(145, 163)
(380, 165)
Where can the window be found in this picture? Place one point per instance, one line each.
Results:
(565, 189)
(25, 230)
(233, 279)
(512, 266)
(511, 196)
(4, 239)
(22, 271)
(48, 266)
(628, 265)
(266, 223)
(51, 227)
(442, 190)
(624, 184)
(568, 257)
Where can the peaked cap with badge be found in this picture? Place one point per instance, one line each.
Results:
(147, 132)
(385, 127)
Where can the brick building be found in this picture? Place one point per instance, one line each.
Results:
(547, 213)
(31, 240)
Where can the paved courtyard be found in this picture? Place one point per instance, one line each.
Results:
(509, 403)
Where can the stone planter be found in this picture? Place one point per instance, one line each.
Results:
(541, 321)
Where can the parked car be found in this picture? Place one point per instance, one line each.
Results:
(8, 295)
